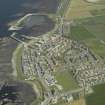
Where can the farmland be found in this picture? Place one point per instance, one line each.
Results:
(88, 24)
(89, 28)
(97, 98)
(90, 31)
(82, 9)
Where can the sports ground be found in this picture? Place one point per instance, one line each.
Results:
(66, 80)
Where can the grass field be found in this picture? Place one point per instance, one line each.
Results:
(66, 80)
(98, 97)
(82, 9)
(81, 101)
(17, 62)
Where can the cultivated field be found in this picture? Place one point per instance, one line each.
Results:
(91, 32)
(98, 97)
(82, 9)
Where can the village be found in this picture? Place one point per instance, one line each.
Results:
(50, 54)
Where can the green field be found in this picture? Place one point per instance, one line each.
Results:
(91, 32)
(98, 97)
(17, 62)
(66, 80)
(80, 9)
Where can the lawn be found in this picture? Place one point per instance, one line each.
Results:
(66, 80)
(98, 97)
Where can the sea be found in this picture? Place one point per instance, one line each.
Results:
(10, 10)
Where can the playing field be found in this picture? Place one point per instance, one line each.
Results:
(82, 9)
(98, 97)
(66, 80)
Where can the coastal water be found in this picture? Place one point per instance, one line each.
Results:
(11, 10)
(8, 11)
